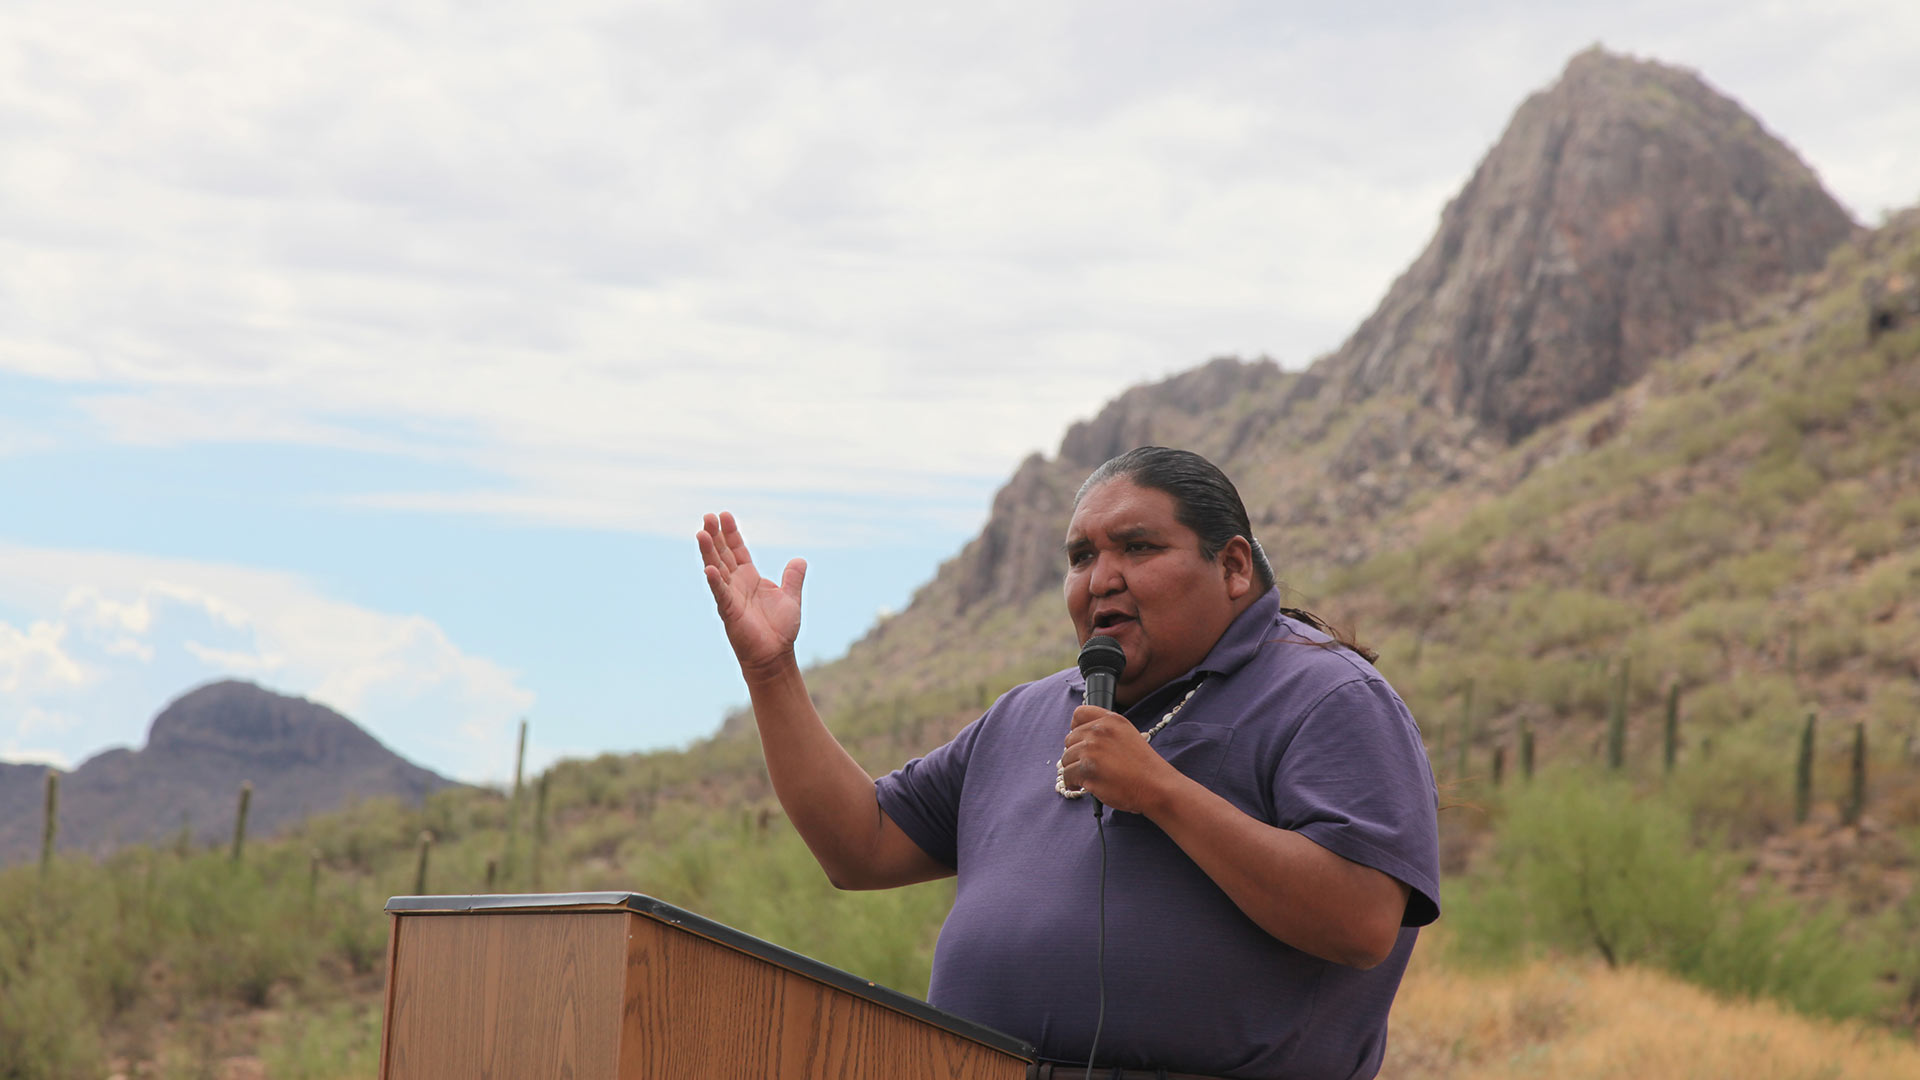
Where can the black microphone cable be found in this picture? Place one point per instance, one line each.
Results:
(1100, 953)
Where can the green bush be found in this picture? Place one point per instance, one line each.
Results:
(326, 1043)
(1588, 864)
(1775, 485)
(47, 1030)
(1743, 791)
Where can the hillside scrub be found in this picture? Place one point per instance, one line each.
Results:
(1579, 1020)
(185, 959)
(1584, 864)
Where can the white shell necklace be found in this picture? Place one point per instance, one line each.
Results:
(1059, 764)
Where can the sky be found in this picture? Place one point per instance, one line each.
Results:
(387, 353)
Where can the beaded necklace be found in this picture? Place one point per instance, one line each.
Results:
(1059, 764)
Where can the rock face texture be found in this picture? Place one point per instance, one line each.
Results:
(301, 757)
(1625, 207)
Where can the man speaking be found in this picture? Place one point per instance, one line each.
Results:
(1247, 904)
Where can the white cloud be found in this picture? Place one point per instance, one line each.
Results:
(809, 247)
(36, 660)
(235, 661)
(38, 720)
(34, 755)
(123, 633)
(86, 605)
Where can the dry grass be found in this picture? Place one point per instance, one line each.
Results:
(1579, 1021)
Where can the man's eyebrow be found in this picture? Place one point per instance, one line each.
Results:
(1125, 532)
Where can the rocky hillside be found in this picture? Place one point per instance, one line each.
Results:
(301, 757)
(1626, 208)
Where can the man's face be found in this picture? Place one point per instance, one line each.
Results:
(1135, 574)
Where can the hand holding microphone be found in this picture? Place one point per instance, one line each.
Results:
(1101, 661)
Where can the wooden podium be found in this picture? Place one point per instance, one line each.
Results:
(618, 986)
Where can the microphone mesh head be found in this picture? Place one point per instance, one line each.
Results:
(1102, 653)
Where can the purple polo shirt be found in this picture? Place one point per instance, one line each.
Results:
(1300, 737)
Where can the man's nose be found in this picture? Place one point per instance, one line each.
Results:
(1107, 577)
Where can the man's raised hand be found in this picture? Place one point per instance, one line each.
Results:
(762, 619)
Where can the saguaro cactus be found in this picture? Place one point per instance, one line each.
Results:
(420, 867)
(1857, 788)
(1672, 741)
(507, 866)
(1803, 775)
(1617, 719)
(52, 825)
(539, 825)
(240, 820)
(1526, 749)
(1464, 742)
(1499, 764)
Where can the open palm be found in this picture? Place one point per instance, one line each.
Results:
(762, 619)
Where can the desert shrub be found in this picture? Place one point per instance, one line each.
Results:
(1729, 624)
(1775, 484)
(325, 1043)
(47, 1030)
(1627, 546)
(1828, 643)
(1545, 619)
(235, 942)
(764, 881)
(1672, 654)
(598, 837)
(1586, 864)
(1771, 946)
(452, 813)
(1692, 536)
(1907, 510)
(1602, 869)
(1818, 403)
(1840, 505)
(1754, 574)
(1743, 790)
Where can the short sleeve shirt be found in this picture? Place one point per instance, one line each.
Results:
(1297, 735)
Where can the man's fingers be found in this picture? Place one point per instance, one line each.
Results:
(1087, 714)
(722, 596)
(723, 543)
(793, 578)
(733, 543)
(709, 553)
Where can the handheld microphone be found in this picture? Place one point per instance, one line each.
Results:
(1101, 661)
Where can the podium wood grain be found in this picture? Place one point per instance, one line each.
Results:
(593, 994)
(505, 996)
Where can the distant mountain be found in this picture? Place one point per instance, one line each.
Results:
(301, 757)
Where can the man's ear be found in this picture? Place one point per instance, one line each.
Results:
(1236, 567)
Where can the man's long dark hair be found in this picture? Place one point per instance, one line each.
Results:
(1205, 501)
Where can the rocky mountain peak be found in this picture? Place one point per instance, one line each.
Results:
(1626, 207)
(300, 756)
(235, 718)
